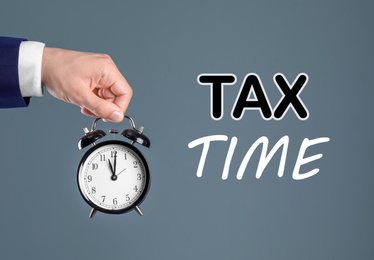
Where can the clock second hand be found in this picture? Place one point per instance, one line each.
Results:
(121, 172)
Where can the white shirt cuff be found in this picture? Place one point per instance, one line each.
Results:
(30, 68)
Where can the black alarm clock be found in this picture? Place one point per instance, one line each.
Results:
(113, 176)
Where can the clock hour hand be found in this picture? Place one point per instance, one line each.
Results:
(114, 176)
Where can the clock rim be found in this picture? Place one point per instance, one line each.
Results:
(147, 173)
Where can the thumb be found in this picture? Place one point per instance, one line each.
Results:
(93, 105)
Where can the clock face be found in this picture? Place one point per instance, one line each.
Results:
(113, 177)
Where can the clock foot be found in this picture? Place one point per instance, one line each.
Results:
(93, 212)
(139, 211)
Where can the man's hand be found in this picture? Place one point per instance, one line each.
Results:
(91, 81)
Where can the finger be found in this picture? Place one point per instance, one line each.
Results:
(114, 83)
(94, 105)
(87, 112)
(123, 93)
(106, 93)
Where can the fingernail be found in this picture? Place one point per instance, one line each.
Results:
(116, 116)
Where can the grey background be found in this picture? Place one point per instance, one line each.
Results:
(161, 47)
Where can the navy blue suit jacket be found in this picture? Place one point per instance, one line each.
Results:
(10, 93)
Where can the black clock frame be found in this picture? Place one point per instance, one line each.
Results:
(147, 173)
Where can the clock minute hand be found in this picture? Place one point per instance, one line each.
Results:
(115, 162)
(114, 176)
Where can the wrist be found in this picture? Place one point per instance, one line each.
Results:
(47, 54)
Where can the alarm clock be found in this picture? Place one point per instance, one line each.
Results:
(113, 176)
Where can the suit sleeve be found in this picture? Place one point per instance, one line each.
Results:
(10, 94)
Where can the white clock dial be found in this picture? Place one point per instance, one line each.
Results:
(113, 177)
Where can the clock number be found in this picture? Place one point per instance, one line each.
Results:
(125, 156)
(139, 176)
(102, 157)
(89, 178)
(115, 201)
(93, 190)
(136, 188)
(103, 198)
(113, 154)
(135, 164)
(95, 166)
(127, 197)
